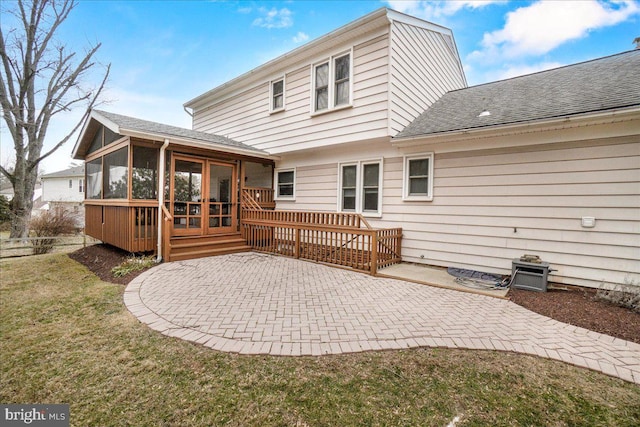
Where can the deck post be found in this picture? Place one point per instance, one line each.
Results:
(161, 174)
(373, 241)
(296, 250)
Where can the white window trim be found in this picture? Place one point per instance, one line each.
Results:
(360, 187)
(331, 88)
(284, 97)
(405, 178)
(278, 197)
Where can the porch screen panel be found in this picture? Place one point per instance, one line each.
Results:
(116, 175)
(187, 195)
(94, 179)
(145, 173)
(220, 198)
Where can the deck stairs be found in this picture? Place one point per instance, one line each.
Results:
(183, 248)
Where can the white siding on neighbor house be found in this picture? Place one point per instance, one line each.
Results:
(492, 206)
(246, 117)
(424, 66)
(57, 190)
(495, 205)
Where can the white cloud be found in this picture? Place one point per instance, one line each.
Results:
(300, 37)
(274, 18)
(542, 26)
(436, 9)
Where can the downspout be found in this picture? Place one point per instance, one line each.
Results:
(161, 196)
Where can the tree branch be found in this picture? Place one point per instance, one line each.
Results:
(84, 117)
(8, 174)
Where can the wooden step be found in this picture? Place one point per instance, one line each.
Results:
(201, 253)
(189, 244)
(190, 247)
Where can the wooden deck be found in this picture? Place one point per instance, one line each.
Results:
(343, 239)
(333, 238)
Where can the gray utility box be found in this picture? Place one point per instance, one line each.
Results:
(531, 276)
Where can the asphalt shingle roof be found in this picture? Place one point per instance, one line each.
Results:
(599, 85)
(145, 126)
(75, 171)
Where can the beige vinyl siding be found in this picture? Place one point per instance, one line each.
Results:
(246, 118)
(423, 67)
(316, 189)
(492, 206)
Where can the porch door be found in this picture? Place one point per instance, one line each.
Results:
(187, 189)
(204, 196)
(222, 201)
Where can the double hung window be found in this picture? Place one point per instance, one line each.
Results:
(332, 83)
(277, 95)
(285, 184)
(418, 177)
(361, 187)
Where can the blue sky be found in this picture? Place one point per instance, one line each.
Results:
(164, 53)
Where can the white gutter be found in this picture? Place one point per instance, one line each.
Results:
(161, 173)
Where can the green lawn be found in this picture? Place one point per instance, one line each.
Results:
(67, 338)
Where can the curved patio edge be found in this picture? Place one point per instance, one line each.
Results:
(598, 352)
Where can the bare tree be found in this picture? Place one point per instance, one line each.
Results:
(39, 78)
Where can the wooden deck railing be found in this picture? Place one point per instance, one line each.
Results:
(167, 220)
(334, 238)
(254, 197)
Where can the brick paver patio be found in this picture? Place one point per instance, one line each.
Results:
(261, 304)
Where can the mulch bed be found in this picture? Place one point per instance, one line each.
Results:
(573, 305)
(100, 259)
(580, 307)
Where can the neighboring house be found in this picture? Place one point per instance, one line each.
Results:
(7, 191)
(374, 121)
(66, 189)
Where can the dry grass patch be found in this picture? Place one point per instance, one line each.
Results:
(67, 338)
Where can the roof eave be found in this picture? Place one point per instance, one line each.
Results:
(195, 143)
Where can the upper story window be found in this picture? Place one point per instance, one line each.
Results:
(332, 83)
(70, 183)
(418, 177)
(285, 184)
(277, 95)
(342, 79)
(322, 87)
